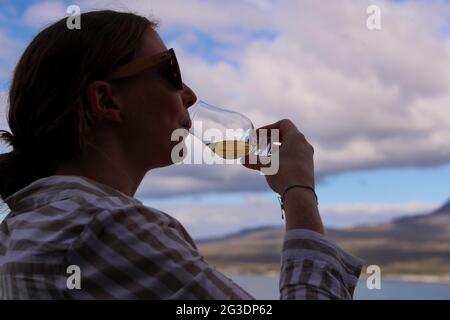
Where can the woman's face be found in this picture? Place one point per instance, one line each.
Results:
(153, 109)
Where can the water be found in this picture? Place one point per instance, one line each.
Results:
(266, 287)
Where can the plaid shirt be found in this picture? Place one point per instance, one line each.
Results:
(125, 250)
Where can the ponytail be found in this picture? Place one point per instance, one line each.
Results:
(48, 114)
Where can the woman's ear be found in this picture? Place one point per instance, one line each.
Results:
(103, 102)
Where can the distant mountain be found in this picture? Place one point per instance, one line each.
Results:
(409, 245)
(445, 209)
(236, 234)
(440, 215)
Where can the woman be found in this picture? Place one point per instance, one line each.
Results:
(91, 112)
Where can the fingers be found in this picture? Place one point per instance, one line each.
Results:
(246, 163)
(285, 127)
(260, 162)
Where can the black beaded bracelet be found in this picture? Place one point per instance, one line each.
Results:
(281, 198)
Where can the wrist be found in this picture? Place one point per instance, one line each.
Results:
(294, 180)
(300, 186)
(301, 210)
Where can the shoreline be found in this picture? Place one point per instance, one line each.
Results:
(442, 279)
(432, 279)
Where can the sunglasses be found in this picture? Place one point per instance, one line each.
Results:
(166, 61)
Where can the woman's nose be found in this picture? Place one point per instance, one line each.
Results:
(188, 96)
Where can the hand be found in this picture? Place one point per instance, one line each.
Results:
(296, 166)
(295, 158)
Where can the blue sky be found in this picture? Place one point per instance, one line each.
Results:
(379, 129)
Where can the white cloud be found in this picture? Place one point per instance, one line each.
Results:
(3, 103)
(206, 15)
(42, 13)
(9, 49)
(375, 209)
(365, 99)
(3, 122)
(206, 219)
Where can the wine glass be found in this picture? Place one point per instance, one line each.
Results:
(229, 134)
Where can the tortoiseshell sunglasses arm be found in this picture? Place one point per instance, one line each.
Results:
(136, 66)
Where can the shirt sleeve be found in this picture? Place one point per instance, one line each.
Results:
(141, 253)
(138, 253)
(315, 267)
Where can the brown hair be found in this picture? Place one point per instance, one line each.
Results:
(48, 114)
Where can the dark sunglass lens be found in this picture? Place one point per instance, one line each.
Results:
(170, 71)
(176, 74)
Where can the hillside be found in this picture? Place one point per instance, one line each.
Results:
(418, 245)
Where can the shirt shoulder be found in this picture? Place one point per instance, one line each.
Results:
(131, 218)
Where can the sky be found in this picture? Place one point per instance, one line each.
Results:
(374, 103)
